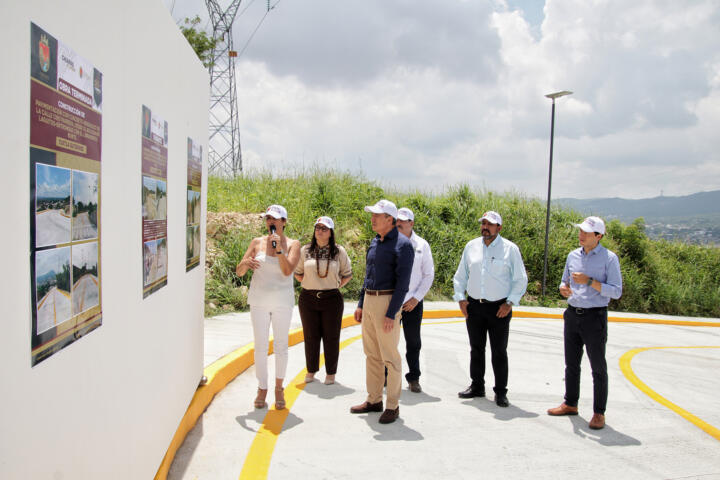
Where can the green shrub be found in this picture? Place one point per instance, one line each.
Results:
(658, 276)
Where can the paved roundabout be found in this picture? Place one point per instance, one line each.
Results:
(663, 414)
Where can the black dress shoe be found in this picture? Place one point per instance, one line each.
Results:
(366, 407)
(502, 400)
(389, 416)
(471, 392)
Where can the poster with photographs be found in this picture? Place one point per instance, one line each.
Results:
(194, 188)
(154, 201)
(65, 154)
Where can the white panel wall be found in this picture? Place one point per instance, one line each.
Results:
(107, 405)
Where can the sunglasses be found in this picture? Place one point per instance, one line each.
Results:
(322, 228)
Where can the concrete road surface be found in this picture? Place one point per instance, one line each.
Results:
(86, 293)
(51, 227)
(440, 435)
(53, 309)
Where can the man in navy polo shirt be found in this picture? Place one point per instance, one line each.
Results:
(388, 265)
(590, 279)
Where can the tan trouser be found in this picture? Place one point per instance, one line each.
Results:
(381, 350)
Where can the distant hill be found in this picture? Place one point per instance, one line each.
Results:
(659, 209)
(693, 219)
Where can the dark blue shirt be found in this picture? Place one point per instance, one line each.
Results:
(388, 265)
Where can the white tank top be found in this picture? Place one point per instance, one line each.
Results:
(269, 287)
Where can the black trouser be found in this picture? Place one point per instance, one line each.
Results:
(321, 316)
(586, 327)
(411, 329)
(483, 322)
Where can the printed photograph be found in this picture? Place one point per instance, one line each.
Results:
(85, 205)
(149, 196)
(52, 205)
(161, 200)
(85, 290)
(196, 241)
(149, 262)
(161, 261)
(189, 238)
(52, 286)
(193, 207)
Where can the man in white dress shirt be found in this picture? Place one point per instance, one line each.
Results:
(492, 273)
(421, 278)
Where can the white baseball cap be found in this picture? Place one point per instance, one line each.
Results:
(275, 211)
(327, 221)
(592, 224)
(383, 206)
(492, 217)
(406, 214)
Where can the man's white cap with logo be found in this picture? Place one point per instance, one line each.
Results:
(327, 221)
(406, 214)
(275, 211)
(492, 217)
(383, 206)
(592, 224)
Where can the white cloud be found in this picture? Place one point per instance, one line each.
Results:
(435, 93)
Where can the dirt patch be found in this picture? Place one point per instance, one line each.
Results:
(220, 224)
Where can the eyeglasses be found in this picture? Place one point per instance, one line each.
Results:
(322, 228)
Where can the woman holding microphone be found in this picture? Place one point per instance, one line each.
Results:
(323, 268)
(272, 258)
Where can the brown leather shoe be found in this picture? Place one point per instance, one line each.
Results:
(389, 416)
(414, 386)
(597, 422)
(366, 407)
(563, 409)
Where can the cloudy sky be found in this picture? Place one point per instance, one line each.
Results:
(426, 94)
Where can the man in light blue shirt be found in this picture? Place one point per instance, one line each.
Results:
(492, 272)
(591, 278)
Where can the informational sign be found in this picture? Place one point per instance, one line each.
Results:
(194, 187)
(65, 153)
(154, 201)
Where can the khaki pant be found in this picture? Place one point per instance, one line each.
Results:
(381, 350)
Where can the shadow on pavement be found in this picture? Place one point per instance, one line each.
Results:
(258, 416)
(409, 398)
(326, 392)
(607, 436)
(505, 414)
(182, 461)
(396, 431)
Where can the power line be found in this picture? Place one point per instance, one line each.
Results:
(258, 25)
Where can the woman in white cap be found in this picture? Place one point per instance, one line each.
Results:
(272, 258)
(323, 269)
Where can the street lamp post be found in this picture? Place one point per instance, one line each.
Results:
(552, 96)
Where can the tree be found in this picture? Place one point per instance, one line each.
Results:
(198, 40)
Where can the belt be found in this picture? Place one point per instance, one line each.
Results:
(483, 300)
(583, 311)
(321, 293)
(377, 293)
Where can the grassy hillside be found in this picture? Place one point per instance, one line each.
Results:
(659, 276)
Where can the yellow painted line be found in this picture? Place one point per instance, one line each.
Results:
(224, 370)
(626, 367)
(257, 461)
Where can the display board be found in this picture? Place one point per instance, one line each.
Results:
(154, 201)
(194, 191)
(65, 154)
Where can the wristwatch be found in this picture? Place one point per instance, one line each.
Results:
(590, 281)
(510, 303)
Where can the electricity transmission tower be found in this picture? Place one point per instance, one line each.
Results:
(224, 153)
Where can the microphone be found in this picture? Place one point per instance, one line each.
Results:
(272, 232)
